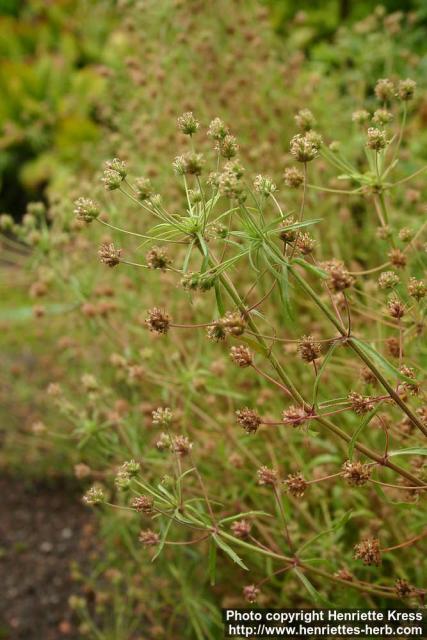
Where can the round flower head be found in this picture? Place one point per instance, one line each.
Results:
(188, 124)
(384, 90)
(144, 189)
(241, 356)
(305, 120)
(339, 278)
(361, 404)
(296, 485)
(382, 117)
(86, 209)
(190, 163)
(388, 280)
(251, 593)
(217, 130)
(397, 258)
(109, 255)
(157, 320)
(308, 349)
(406, 89)
(356, 473)
(228, 147)
(306, 147)
(149, 538)
(143, 504)
(119, 166)
(361, 116)
(368, 551)
(267, 476)
(157, 259)
(241, 529)
(264, 185)
(248, 419)
(417, 289)
(377, 139)
(293, 177)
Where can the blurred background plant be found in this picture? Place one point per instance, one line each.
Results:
(87, 81)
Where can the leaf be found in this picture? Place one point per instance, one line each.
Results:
(219, 301)
(317, 597)
(284, 293)
(320, 273)
(246, 513)
(212, 562)
(366, 420)
(321, 370)
(163, 538)
(380, 360)
(229, 551)
(412, 451)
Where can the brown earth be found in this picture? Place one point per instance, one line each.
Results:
(43, 529)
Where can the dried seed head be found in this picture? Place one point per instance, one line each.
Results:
(339, 278)
(235, 166)
(251, 593)
(143, 504)
(287, 234)
(86, 209)
(417, 289)
(355, 473)
(382, 117)
(190, 163)
(406, 234)
(144, 189)
(267, 476)
(233, 323)
(308, 349)
(402, 588)
(122, 480)
(217, 130)
(396, 308)
(361, 404)
(368, 551)
(384, 232)
(397, 258)
(181, 445)
(406, 89)
(305, 243)
(241, 356)
(188, 124)
(377, 139)
(157, 258)
(293, 177)
(264, 185)
(361, 116)
(109, 255)
(306, 147)
(149, 538)
(241, 529)
(229, 186)
(216, 332)
(296, 485)
(294, 416)
(388, 280)
(248, 419)
(305, 120)
(95, 495)
(228, 147)
(384, 90)
(158, 321)
(162, 417)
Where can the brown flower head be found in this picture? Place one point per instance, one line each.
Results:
(417, 289)
(241, 528)
(149, 538)
(361, 404)
(267, 476)
(233, 323)
(293, 177)
(295, 484)
(402, 588)
(157, 258)
(241, 356)
(143, 504)
(181, 445)
(294, 416)
(397, 258)
(339, 278)
(157, 320)
(308, 349)
(396, 308)
(355, 473)
(109, 255)
(251, 593)
(248, 419)
(368, 551)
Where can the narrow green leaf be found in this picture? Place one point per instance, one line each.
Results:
(381, 361)
(219, 301)
(316, 596)
(230, 552)
(163, 539)
(335, 527)
(320, 273)
(412, 451)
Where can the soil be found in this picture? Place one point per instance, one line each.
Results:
(43, 529)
